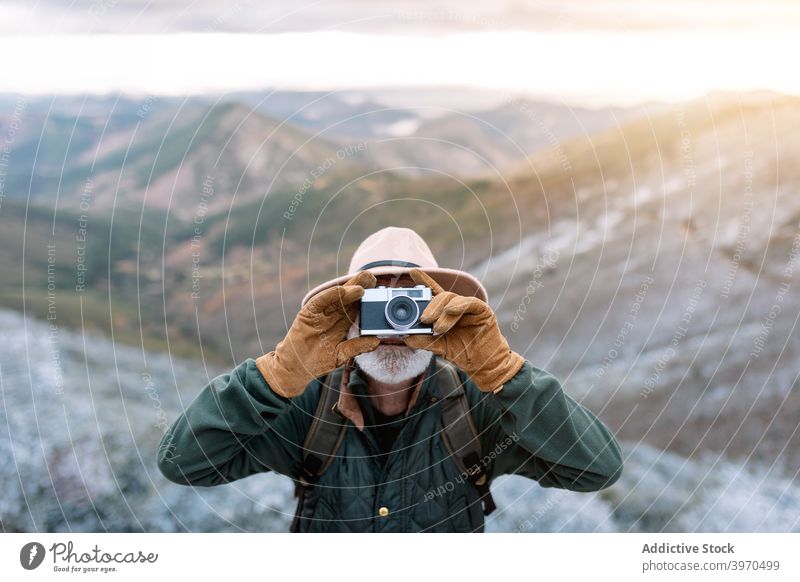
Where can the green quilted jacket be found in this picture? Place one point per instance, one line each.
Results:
(237, 427)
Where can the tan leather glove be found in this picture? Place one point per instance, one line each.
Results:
(315, 343)
(466, 333)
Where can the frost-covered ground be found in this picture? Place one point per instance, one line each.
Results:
(81, 418)
(658, 491)
(80, 421)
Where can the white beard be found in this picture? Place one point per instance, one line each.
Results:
(392, 365)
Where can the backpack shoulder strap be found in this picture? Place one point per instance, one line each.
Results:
(322, 442)
(459, 433)
(327, 430)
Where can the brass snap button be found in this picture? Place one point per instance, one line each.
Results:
(383, 511)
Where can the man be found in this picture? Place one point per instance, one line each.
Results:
(390, 460)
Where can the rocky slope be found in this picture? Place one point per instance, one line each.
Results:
(664, 288)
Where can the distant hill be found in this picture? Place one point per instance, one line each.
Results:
(168, 192)
(494, 140)
(158, 154)
(67, 138)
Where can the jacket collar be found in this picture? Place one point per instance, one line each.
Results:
(353, 389)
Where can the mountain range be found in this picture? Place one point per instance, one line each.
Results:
(637, 253)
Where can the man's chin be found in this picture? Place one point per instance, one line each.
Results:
(394, 363)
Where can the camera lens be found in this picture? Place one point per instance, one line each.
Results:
(401, 312)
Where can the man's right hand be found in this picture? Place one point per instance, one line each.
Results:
(315, 343)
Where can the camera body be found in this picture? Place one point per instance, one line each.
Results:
(394, 311)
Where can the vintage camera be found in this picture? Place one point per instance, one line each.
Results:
(394, 311)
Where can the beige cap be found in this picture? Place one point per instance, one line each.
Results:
(394, 250)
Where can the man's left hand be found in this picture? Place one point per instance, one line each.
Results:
(465, 332)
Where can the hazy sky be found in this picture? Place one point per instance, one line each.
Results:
(583, 51)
